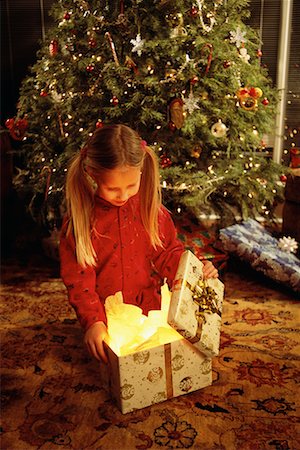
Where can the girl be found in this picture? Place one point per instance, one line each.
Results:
(116, 232)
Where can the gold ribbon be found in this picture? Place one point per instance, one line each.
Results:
(206, 298)
(168, 370)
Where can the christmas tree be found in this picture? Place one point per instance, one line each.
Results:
(187, 75)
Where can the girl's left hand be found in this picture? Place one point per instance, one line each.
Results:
(209, 270)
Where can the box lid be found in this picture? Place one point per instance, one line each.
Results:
(196, 305)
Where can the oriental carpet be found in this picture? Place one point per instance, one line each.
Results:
(53, 398)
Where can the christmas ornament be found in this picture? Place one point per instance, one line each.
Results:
(248, 97)
(67, 16)
(259, 53)
(114, 100)
(170, 74)
(92, 42)
(265, 101)
(219, 129)
(288, 244)
(43, 94)
(194, 80)
(53, 47)
(248, 103)
(209, 57)
(90, 68)
(17, 129)
(112, 46)
(131, 64)
(179, 30)
(190, 103)
(176, 112)
(255, 92)
(193, 11)
(165, 161)
(138, 44)
(226, 64)
(210, 15)
(242, 92)
(237, 37)
(283, 178)
(244, 54)
(99, 124)
(196, 152)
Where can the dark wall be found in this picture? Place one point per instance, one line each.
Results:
(22, 23)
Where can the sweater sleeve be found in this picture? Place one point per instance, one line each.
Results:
(166, 259)
(80, 283)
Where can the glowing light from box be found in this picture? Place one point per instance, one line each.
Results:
(131, 331)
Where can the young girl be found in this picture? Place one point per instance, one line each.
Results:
(116, 232)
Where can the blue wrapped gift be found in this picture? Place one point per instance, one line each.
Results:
(251, 242)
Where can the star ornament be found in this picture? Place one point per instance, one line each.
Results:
(138, 44)
(238, 37)
(288, 244)
(190, 104)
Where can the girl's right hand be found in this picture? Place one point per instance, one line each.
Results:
(94, 338)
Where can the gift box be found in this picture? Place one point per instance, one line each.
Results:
(251, 242)
(149, 361)
(196, 305)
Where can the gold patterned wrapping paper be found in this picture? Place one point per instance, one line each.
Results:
(157, 374)
(196, 305)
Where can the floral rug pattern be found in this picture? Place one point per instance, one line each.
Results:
(53, 397)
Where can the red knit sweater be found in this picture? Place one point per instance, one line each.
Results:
(126, 261)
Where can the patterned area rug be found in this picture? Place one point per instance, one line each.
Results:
(53, 396)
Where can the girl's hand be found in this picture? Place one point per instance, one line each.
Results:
(209, 270)
(94, 338)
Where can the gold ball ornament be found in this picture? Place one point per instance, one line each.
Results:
(219, 129)
(196, 152)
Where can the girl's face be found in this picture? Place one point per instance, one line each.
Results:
(116, 186)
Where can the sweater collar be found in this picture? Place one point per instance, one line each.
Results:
(132, 202)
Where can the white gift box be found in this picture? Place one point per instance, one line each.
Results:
(151, 376)
(196, 305)
(145, 371)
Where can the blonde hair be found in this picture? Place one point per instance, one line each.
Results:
(110, 147)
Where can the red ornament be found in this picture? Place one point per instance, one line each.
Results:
(242, 92)
(92, 42)
(165, 161)
(193, 11)
(53, 47)
(255, 92)
(226, 64)
(194, 80)
(9, 123)
(283, 178)
(43, 94)
(67, 16)
(17, 129)
(90, 68)
(259, 53)
(114, 100)
(172, 126)
(99, 124)
(265, 101)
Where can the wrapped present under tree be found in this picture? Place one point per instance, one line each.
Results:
(251, 242)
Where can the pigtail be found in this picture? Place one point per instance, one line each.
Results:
(150, 193)
(80, 203)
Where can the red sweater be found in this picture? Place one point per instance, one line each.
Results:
(126, 261)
